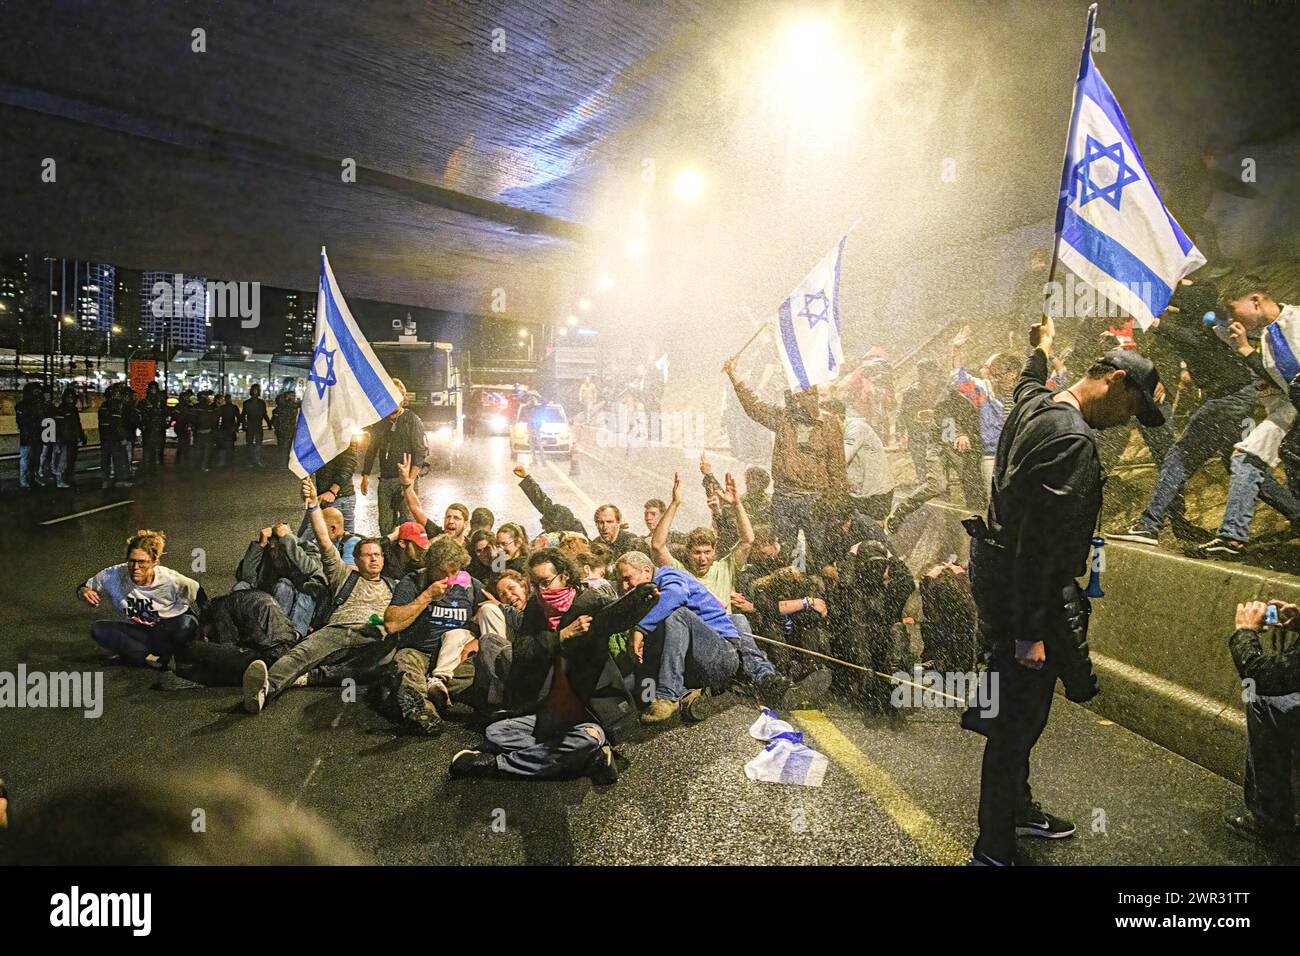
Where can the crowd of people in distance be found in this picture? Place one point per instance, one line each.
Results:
(205, 427)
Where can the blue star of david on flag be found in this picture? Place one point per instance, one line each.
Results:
(1084, 185)
(322, 381)
(816, 308)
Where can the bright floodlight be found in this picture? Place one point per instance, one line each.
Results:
(584, 304)
(523, 333)
(688, 184)
(635, 247)
(606, 282)
(572, 320)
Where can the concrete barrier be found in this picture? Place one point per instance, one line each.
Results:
(1159, 637)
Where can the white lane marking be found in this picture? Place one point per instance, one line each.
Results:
(91, 511)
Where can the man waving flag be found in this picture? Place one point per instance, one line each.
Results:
(1112, 228)
(808, 325)
(347, 388)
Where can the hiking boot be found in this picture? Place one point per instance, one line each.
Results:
(660, 711)
(772, 689)
(473, 763)
(417, 711)
(1137, 533)
(1034, 821)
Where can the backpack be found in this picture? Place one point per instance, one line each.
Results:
(325, 609)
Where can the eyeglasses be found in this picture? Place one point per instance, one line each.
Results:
(541, 585)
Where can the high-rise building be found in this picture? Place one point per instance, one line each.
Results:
(15, 290)
(96, 308)
(299, 324)
(174, 308)
(126, 305)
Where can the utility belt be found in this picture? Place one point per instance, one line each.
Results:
(992, 573)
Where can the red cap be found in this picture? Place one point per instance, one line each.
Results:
(413, 531)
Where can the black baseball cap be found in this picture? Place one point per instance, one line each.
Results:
(1142, 374)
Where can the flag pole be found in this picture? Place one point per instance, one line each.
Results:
(757, 332)
(1069, 142)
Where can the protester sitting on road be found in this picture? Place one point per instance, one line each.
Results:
(555, 517)
(433, 610)
(158, 605)
(950, 621)
(512, 590)
(288, 569)
(236, 629)
(482, 554)
(790, 606)
(514, 546)
(359, 595)
(404, 548)
(455, 521)
(687, 643)
(564, 695)
(716, 574)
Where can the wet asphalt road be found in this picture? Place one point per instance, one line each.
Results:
(898, 791)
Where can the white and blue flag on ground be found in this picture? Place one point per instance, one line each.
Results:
(808, 325)
(1112, 227)
(347, 388)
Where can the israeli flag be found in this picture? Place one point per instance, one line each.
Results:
(808, 326)
(1113, 230)
(347, 387)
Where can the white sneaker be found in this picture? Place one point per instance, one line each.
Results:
(257, 685)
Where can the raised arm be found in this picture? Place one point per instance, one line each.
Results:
(659, 540)
(740, 553)
(404, 469)
(765, 414)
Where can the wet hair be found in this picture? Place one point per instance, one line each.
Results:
(378, 542)
(618, 515)
(510, 574)
(657, 504)
(478, 537)
(443, 550)
(149, 821)
(589, 559)
(756, 479)
(481, 518)
(516, 534)
(1240, 286)
(764, 534)
(151, 543)
(700, 536)
(558, 560)
(463, 509)
(635, 560)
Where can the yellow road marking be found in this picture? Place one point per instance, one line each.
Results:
(933, 840)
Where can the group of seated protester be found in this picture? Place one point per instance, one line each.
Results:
(556, 647)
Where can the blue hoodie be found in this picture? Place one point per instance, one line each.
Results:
(679, 589)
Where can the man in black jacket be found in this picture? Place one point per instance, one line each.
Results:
(1045, 500)
(393, 438)
(1271, 684)
(253, 417)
